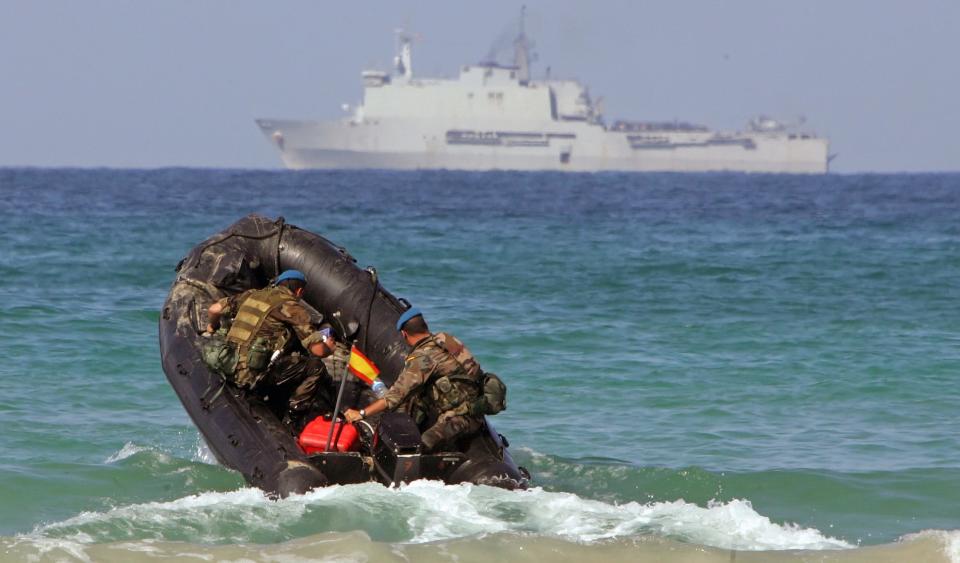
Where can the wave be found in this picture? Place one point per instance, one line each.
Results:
(858, 507)
(173, 502)
(199, 452)
(184, 495)
(429, 511)
(130, 449)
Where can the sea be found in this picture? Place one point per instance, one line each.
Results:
(701, 367)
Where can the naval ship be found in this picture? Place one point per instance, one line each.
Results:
(496, 117)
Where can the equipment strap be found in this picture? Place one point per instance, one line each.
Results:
(253, 312)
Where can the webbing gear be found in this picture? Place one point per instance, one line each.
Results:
(253, 311)
(258, 357)
(462, 387)
(253, 352)
(490, 395)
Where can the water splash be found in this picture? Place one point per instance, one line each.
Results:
(128, 449)
(202, 452)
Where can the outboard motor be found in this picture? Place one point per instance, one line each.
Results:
(396, 449)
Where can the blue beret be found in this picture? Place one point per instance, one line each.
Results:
(407, 315)
(291, 275)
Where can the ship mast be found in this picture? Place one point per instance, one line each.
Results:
(521, 50)
(403, 61)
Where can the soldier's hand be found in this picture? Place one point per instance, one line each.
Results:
(352, 415)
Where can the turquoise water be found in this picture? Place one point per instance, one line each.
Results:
(728, 361)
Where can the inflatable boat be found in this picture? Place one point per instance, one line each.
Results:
(245, 433)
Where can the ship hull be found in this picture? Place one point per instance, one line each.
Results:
(577, 147)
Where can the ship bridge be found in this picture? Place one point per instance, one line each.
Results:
(484, 91)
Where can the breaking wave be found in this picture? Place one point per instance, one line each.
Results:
(429, 521)
(429, 511)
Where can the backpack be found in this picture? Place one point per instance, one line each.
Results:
(493, 398)
(220, 354)
(493, 392)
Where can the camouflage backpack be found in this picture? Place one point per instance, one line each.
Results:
(220, 354)
(493, 398)
(492, 392)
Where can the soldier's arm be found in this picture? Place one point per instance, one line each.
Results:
(294, 314)
(215, 312)
(415, 372)
(226, 306)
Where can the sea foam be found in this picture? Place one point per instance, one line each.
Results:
(428, 511)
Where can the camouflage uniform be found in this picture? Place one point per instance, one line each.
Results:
(438, 385)
(284, 322)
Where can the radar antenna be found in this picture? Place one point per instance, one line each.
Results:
(521, 50)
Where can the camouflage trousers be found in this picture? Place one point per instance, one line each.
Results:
(449, 428)
(303, 381)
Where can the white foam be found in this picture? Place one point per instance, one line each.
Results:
(950, 539)
(433, 511)
(446, 512)
(568, 516)
(155, 520)
(451, 511)
(49, 546)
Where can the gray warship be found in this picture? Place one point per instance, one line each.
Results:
(497, 117)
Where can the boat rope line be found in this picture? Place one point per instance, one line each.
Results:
(375, 278)
(205, 403)
(278, 231)
(281, 223)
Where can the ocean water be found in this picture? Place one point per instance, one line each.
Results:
(700, 367)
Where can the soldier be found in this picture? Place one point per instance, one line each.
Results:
(439, 385)
(265, 331)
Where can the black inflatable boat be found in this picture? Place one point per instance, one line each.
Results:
(244, 433)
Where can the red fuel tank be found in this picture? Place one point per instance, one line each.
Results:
(313, 439)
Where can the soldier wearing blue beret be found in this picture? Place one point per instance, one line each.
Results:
(272, 346)
(439, 386)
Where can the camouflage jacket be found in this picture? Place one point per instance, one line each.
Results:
(439, 375)
(292, 315)
(291, 319)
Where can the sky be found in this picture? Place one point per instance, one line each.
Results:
(100, 83)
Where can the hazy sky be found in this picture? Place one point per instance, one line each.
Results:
(179, 82)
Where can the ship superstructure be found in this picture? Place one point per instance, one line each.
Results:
(495, 116)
